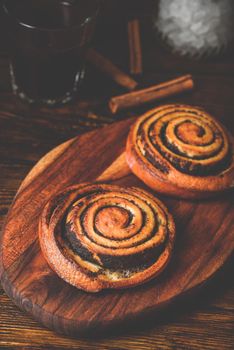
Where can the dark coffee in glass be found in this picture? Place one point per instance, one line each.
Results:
(48, 39)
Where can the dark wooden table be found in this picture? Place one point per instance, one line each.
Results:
(205, 319)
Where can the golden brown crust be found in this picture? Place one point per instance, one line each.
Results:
(181, 151)
(97, 236)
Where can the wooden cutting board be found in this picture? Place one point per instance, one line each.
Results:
(205, 239)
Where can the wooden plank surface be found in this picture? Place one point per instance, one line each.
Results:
(26, 133)
(204, 241)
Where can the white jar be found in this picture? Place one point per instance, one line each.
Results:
(196, 27)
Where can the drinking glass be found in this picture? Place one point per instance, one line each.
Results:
(48, 40)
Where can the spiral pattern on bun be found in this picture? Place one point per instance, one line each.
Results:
(181, 150)
(97, 236)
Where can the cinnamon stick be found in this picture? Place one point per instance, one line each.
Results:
(107, 67)
(135, 52)
(156, 92)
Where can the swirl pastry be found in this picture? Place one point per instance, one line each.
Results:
(97, 236)
(182, 151)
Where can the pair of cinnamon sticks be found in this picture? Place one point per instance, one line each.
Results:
(137, 97)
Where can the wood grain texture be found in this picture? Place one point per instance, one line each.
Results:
(206, 320)
(204, 241)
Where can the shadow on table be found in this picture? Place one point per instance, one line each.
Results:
(173, 312)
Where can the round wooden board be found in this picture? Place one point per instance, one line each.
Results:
(205, 239)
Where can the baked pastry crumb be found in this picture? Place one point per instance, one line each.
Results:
(97, 236)
(182, 151)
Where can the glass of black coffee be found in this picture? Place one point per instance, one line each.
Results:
(48, 39)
